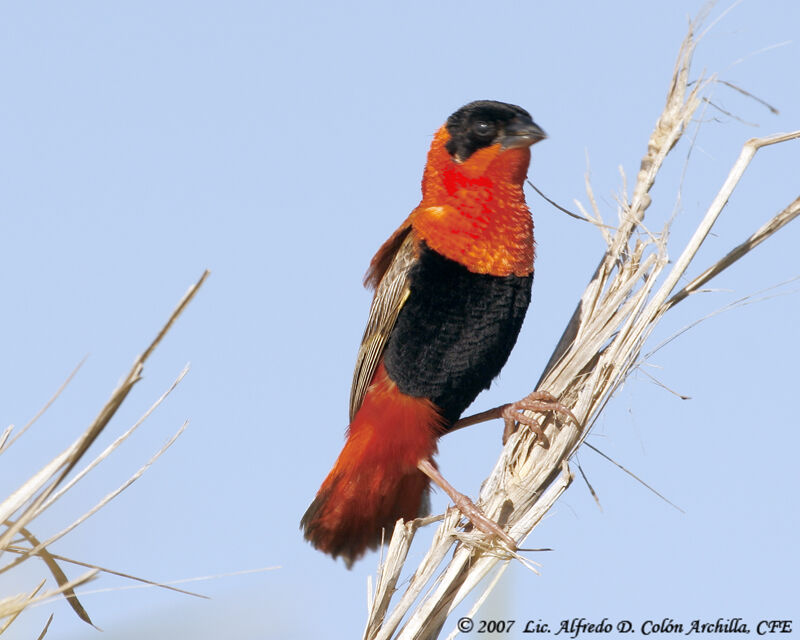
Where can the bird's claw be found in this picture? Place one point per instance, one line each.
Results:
(466, 506)
(486, 525)
(539, 401)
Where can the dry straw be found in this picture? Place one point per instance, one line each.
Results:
(17, 512)
(633, 286)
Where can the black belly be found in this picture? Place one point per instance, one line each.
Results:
(455, 332)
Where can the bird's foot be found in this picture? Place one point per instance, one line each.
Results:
(466, 506)
(540, 401)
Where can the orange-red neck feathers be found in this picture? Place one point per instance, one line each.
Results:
(474, 212)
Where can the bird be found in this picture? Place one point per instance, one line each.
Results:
(452, 286)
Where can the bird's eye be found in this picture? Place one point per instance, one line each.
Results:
(483, 129)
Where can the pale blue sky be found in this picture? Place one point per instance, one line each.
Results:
(278, 145)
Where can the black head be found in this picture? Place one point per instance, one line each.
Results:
(485, 122)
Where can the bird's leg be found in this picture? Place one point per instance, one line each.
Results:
(465, 505)
(483, 416)
(540, 401)
(511, 413)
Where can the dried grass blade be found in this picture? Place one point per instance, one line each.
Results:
(127, 576)
(59, 576)
(9, 607)
(769, 229)
(714, 210)
(104, 501)
(117, 442)
(46, 627)
(46, 406)
(10, 604)
(482, 598)
(73, 454)
(119, 395)
(4, 437)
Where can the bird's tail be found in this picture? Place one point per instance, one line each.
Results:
(375, 480)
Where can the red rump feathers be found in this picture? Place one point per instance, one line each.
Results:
(375, 481)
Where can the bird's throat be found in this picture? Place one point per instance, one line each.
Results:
(474, 212)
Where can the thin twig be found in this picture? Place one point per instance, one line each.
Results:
(567, 211)
(632, 475)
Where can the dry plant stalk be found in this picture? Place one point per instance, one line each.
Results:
(40, 492)
(629, 292)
